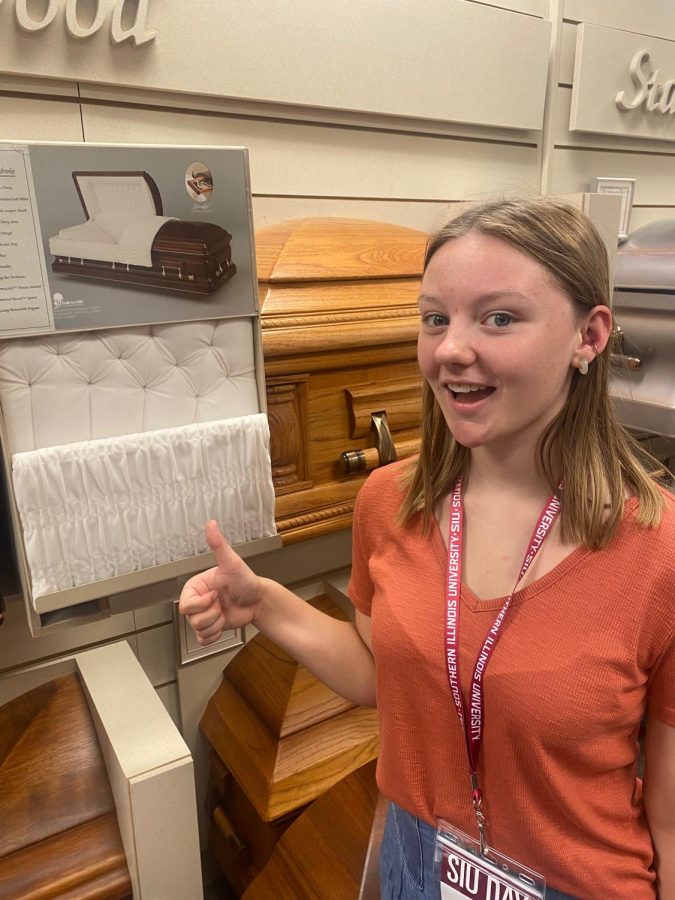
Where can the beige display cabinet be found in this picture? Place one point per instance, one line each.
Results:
(148, 764)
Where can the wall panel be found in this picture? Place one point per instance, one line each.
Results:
(655, 174)
(277, 112)
(157, 654)
(603, 63)
(577, 156)
(378, 56)
(17, 647)
(29, 119)
(45, 87)
(537, 8)
(568, 43)
(159, 613)
(642, 215)
(322, 161)
(654, 17)
(563, 137)
(168, 694)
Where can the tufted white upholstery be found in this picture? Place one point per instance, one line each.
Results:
(125, 441)
(61, 388)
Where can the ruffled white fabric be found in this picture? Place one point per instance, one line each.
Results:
(95, 509)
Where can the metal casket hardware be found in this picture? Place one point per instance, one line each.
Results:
(355, 461)
(619, 358)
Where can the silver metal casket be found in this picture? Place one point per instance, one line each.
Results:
(643, 384)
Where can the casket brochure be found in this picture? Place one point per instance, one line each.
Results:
(102, 236)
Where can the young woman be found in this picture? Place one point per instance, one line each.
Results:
(514, 702)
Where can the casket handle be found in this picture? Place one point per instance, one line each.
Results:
(227, 830)
(384, 451)
(626, 362)
(619, 358)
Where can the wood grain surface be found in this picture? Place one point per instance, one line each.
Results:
(322, 854)
(285, 737)
(329, 248)
(52, 774)
(59, 835)
(340, 318)
(82, 863)
(286, 696)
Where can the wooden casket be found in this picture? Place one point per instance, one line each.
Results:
(96, 785)
(280, 739)
(126, 238)
(59, 835)
(339, 325)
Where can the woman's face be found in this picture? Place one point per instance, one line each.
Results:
(497, 341)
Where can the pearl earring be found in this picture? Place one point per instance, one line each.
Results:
(583, 367)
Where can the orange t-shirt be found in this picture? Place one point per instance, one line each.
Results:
(584, 651)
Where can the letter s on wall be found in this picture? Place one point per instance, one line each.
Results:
(639, 80)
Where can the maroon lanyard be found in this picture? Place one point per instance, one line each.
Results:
(472, 723)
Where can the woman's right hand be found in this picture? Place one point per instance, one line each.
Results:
(223, 597)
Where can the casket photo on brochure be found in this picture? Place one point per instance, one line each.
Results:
(126, 238)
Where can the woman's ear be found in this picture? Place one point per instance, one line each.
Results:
(595, 330)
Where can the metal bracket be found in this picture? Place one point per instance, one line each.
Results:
(619, 358)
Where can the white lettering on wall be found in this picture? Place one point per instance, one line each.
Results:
(27, 23)
(73, 25)
(137, 30)
(656, 96)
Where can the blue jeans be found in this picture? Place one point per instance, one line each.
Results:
(407, 860)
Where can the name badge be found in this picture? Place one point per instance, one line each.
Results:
(462, 871)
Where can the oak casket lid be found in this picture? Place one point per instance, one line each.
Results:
(335, 285)
(337, 249)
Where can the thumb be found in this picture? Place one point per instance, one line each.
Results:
(217, 543)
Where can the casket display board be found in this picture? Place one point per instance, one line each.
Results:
(339, 324)
(128, 417)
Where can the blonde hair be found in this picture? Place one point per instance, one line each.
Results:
(598, 458)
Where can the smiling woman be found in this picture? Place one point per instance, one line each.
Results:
(520, 570)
